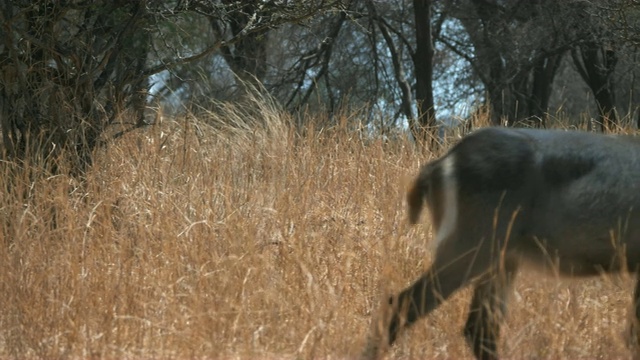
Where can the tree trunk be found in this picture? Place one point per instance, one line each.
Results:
(544, 71)
(595, 64)
(246, 57)
(423, 63)
(406, 98)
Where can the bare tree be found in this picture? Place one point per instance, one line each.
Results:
(69, 70)
(596, 64)
(63, 75)
(406, 98)
(608, 31)
(515, 48)
(423, 63)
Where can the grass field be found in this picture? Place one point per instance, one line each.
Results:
(190, 239)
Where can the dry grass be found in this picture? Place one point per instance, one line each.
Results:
(190, 239)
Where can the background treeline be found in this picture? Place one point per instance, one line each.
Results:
(70, 70)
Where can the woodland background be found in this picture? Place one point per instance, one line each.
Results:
(69, 70)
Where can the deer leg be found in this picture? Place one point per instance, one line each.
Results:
(451, 271)
(419, 299)
(487, 310)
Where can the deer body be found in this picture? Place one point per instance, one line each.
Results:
(564, 201)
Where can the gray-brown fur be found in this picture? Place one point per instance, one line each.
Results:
(564, 201)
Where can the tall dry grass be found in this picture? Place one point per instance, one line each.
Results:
(196, 239)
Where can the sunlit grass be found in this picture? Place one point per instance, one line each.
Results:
(196, 239)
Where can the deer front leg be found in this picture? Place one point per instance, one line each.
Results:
(450, 272)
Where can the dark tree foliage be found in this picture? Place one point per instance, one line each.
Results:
(75, 73)
(423, 62)
(70, 69)
(67, 70)
(515, 48)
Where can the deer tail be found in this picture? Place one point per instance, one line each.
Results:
(416, 196)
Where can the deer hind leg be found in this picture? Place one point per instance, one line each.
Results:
(456, 264)
(487, 310)
(452, 270)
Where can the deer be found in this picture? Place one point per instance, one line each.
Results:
(566, 202)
